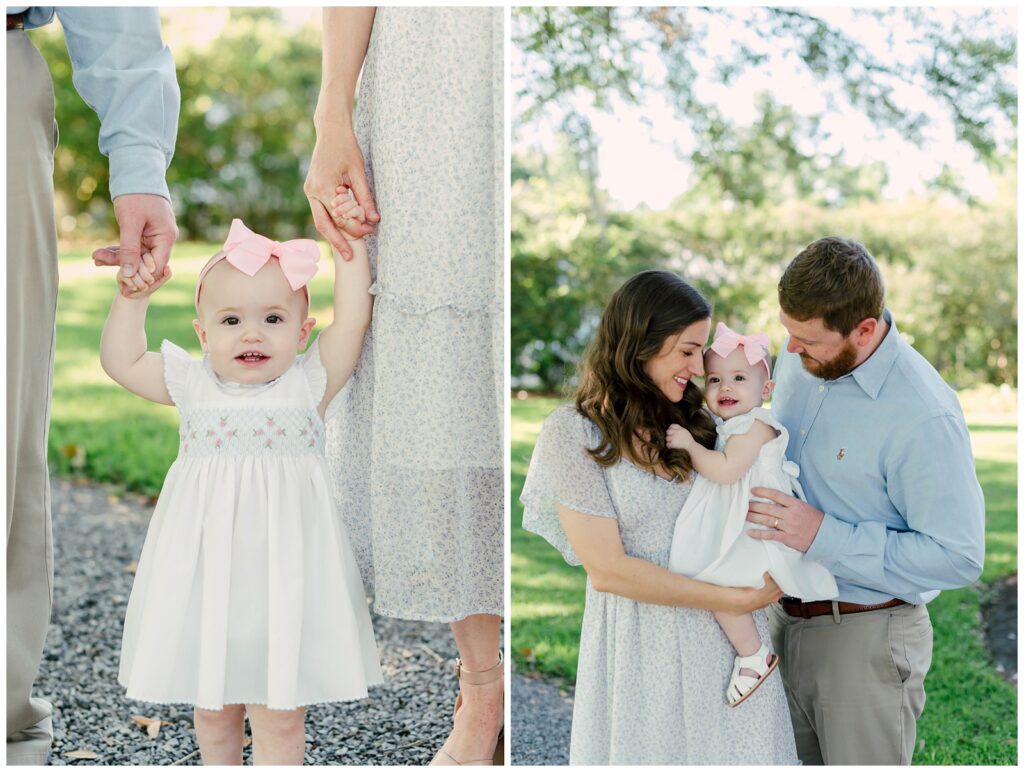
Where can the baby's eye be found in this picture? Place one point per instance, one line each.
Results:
(741, 377)
(713, 379)
(274, 319)
(230, 320)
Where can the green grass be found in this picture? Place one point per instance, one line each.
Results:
(971, 713)
(116, 436)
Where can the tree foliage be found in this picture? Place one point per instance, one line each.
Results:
(245, 131)
(950, 268)
(574, 59)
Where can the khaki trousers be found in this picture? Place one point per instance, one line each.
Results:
(31, 314)
(855, 684)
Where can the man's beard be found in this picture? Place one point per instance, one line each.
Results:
(836, 367)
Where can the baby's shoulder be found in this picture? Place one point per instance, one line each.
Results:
(759, 420)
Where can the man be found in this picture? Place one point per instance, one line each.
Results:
(124, 71)
(893, 509)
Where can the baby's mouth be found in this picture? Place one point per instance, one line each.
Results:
(251, 358)
(726, 402)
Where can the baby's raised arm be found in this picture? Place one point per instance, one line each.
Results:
(123, 353)
(342, 341)
(730, 464)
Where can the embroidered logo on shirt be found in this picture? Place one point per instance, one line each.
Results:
(841, 454)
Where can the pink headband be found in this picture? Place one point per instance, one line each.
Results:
(248, 252)
(755, 346)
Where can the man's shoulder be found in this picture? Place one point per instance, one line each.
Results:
(920, 388)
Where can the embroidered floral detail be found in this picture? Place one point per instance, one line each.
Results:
(287, 431)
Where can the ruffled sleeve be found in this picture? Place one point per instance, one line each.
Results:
(741, 424)
(316, 373)
(177, 362)
(562, 472)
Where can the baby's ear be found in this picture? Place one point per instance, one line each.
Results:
(305, 330)
(200, 332)
(769, 387)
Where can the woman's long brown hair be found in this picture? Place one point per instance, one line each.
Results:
(615, 391)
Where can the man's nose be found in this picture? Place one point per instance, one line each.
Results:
(792, 347)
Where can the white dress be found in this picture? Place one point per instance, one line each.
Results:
(709, 542)
(417, 445)
(651, 679)
(247, 590)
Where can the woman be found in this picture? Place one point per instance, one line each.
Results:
(425, 507)
(605, 490)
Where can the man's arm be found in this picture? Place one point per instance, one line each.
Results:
(931, 480)
(124, 72)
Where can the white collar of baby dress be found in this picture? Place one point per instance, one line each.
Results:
(236, 389)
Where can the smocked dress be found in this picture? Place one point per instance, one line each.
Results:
(417, 445)
(709, 542)
(650, 679)
(247, 590)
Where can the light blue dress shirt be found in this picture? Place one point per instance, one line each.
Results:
(884, 452)
(124, 72)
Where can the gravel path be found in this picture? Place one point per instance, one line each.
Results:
(541, 719)
(97, 538)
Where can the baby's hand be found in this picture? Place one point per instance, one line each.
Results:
(679, 438)
(145, 281)
(345, 209)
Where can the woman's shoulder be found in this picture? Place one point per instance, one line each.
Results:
(567, 422)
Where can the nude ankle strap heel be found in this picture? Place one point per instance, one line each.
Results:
(476, 678)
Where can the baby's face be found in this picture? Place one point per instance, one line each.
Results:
(251, 327)
(733, 386)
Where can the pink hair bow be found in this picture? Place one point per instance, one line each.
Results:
(249, 252)
(755, 347)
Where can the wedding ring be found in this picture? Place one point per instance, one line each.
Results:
(775, 525)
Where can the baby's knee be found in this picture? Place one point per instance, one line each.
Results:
(277, 725)
(228, 717)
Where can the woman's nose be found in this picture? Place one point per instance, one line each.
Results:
(697, 368)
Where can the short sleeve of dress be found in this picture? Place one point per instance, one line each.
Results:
(741, 424)
(177, 362)
(315, 372)
(562, 472)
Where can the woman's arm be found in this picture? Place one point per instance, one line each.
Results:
(597, 542)
(341, 342)
(123, 352)
(732, 462)
(336, 157)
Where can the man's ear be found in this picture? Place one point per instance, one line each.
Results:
(305, 330)
(767, 389)
(864, 332)
(200, 332)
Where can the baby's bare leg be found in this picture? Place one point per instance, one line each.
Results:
(220, 733)
(278, 736)
(741, 631)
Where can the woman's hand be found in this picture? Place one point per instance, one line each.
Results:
(748, 599)
(336, 161)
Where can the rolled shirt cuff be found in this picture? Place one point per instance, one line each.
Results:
(138, 169)
(829, 542)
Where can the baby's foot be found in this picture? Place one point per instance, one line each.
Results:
(345, 211)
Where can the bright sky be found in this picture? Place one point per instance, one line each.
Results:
(639, 161)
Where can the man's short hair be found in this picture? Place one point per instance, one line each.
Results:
(835, 280)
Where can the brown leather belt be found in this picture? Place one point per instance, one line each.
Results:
(15, 21)
(817, 608)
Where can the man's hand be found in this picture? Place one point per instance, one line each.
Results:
(336, 162)
(146, 224)
(679, 438)
(793, 522)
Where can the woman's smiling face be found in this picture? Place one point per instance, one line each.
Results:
(680, 359)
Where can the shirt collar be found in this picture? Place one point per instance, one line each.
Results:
(870, 375)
